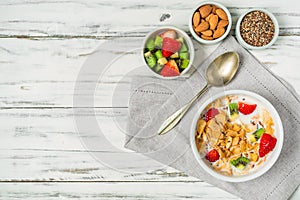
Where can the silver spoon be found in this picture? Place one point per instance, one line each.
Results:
(219, 73)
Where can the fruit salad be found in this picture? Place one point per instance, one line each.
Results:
(167, 54)
(235, 135)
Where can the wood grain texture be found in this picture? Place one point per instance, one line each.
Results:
(44, 145)
(113, 190)
(42, 73)
(43, 46)
(76, 18)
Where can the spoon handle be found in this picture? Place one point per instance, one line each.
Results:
(173, 120)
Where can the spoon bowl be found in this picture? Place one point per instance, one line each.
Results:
(219, 73)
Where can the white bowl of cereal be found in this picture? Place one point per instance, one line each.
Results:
(236, 136)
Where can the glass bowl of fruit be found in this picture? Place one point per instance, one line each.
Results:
(236, 136)
(168, 52)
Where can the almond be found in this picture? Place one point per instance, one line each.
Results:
(214, 8)
(207, 33)
(213, 22)
(219, 32)
(205, 10)
(223, 23)
(208, 17)
(206, 37)
(202, 27)
(221, 13)
(196, 19)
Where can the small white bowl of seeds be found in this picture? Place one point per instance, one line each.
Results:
(257, 29)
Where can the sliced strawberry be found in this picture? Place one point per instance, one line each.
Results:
(212, 155)
(169, 34)
(246, 109)
(267, 144)
(211, 113)
(170, 46)
(170, 69)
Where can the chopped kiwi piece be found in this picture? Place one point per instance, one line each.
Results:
(150, 59)
(184, 63)
(240, 166)
(158, 68)
(183, 48)
(180, 40)
(150, 44)
(158, 54)
(257, 134)
(179, 63)
(158, 41)
(184, 55)
(233, 111)
(240, 163)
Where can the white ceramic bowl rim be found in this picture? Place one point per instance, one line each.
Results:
(270, 161)
(238, 33)
(188, 42)
(198, 38)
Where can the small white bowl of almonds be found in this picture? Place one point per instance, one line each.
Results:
(210, 22)
(257, 29)
(236, 136)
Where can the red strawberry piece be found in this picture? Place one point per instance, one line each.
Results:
(169, 34)
(212, 155)
(170, 69)
(211, 113)
(267, 144)
(246, 109)
(170, 46)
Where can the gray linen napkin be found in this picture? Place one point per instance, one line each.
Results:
(163, 97)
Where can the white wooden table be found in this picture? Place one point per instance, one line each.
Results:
(43, 45)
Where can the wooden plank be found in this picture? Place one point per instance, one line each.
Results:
(76, 18)
(114, 190)
(42, 73)
(44, 145)
(45, 165)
